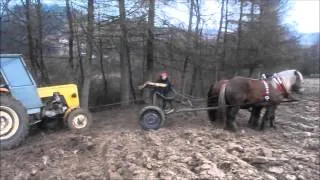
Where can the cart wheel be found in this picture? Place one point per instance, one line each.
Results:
(79, 119)
(151, 117)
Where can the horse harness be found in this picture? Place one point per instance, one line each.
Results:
(267, 91)
(279, 86)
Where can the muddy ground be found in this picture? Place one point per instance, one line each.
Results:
(189, 147)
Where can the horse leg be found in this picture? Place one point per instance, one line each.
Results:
(272, 116)
(231, 118)
(255, 115)
(266, 117)
(251, 116)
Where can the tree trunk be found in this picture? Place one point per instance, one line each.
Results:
(150, 60)
(80, 58)
(43, 69)
(144, 58)
(130, 74)
(187, 57)
(71, 33)
(193, 80)
(202, 90)
(224, 53)
(196, 68)
(104, 79)
(100, 44)
(217, 47)
(239, 31)
(30, 40)
(252, 11)
(171, 55)
(220, 23)
(124, 84)
(87, 73)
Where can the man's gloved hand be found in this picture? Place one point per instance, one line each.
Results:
(141, 86)
(144, 85)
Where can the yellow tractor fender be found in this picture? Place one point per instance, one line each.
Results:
(65, 116)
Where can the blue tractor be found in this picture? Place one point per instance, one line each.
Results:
(23, 104)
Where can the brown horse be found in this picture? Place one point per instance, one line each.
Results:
(240, 92)
(212, 101)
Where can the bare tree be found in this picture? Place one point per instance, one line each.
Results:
(79, 55)
(217, 44)
(100, 47)
(43, 68)
(150, 59)
(124, 84)
(28, 24)
(79, 50)
(239, 32)
(71, 33)
(196, 66)
(85, 92)
(225, 34)
(130, 72)
(187, 57)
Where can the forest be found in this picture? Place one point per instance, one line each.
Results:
(110, 47)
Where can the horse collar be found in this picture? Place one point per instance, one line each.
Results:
(279, 84)
(267, 90)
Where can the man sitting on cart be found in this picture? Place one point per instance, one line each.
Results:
(163, 88)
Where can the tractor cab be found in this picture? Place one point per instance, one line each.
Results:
(17, 79)
(2, 82)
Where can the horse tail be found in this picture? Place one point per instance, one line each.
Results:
(211, 102)
(222, 102)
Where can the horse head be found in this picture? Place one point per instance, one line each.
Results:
(298, 85)
(293, 81)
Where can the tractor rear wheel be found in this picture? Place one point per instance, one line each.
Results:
(79, 119)
(14, 127)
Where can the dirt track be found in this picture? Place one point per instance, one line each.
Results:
(189, 147)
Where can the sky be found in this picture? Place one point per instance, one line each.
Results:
(303, 15)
